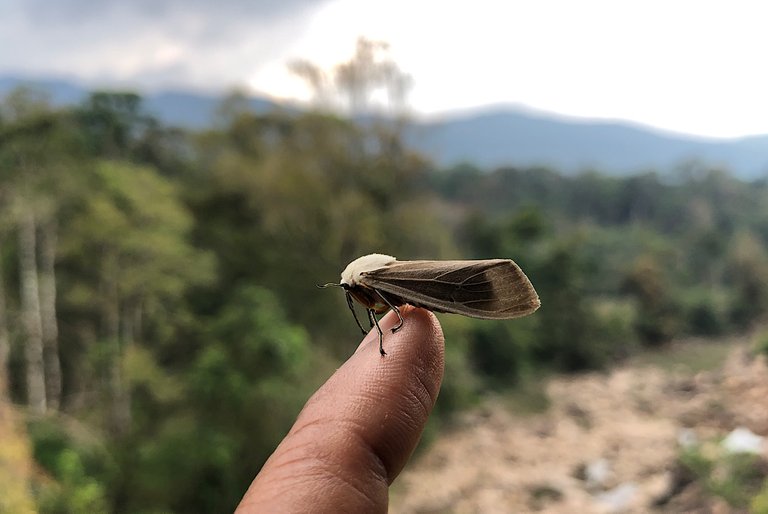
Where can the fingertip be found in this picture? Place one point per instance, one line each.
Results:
(360, 428)
(403, 384)
(420, 333)
(421, 342)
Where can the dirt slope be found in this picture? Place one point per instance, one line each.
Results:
(608, 443)
(15, 462)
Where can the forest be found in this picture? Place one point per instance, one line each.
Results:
(160, 327)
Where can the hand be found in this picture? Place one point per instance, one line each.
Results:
(356, 433)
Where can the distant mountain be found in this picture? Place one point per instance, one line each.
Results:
(503, 136)
(194, 110)
(177, 108)
(494, 137)
(61, 92)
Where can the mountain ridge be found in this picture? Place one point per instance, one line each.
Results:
(494, 136)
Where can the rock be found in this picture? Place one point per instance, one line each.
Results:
(597, 473)
(743, 440)
(619, 498)
(686, 438)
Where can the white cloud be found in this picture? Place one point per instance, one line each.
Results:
(684, 65)
(210, 45)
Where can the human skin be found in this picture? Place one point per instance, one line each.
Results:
(356, 433)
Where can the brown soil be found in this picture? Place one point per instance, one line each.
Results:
(15, 461)
(610, 434)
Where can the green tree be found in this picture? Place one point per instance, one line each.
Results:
(657, 318)
(241, 393)
(39, 149)
(128, 235)
(113, 123)
(748, 273)
(5, 341)
(568, 335)
(290, 200)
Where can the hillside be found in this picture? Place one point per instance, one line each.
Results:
(503, 136)
(188, 109)
(608, 442)
(498, 136)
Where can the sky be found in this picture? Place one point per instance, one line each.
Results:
(695, 67)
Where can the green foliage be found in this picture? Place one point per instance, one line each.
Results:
(748, 272)
(463, 388)
(499, 353)
(759, 503)
(568, 332)
(615, 323)
(761, 342)
(241, 394)
(75, 491)
(112, 123)
(705, 312)
(186, 266)
(75, 468)
(735, 477)
(658, 315)
(143, 208)
(287, 201)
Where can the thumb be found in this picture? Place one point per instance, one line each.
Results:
(356, 433)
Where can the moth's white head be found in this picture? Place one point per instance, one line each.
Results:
(351, 274)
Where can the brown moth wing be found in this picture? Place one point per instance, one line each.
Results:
(487, 289)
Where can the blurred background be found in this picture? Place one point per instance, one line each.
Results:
(175, 178)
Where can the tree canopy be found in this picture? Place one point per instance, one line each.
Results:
(171, 278)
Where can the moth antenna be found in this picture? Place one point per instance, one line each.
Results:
(329, 284)
(397, 311)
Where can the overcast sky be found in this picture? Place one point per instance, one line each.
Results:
(698, 67)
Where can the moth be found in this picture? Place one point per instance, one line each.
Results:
(485, 289)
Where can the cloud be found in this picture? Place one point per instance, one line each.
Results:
(78, 11)
(150, 42)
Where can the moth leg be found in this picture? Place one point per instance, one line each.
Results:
(372, 317)
(400, 317)
(352, 308)
(397, 311)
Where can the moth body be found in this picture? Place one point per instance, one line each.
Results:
(485, 289)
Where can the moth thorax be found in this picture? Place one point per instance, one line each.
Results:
(351, 274)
